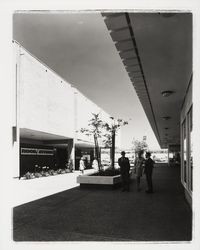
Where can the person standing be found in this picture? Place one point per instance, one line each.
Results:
(139, 167)
(149, 164)
(124, 164)
(82, 165)
(95, 164)
(69, 165)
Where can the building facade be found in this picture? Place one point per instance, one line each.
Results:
(49, 114)
(187, 141)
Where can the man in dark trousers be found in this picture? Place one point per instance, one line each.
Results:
(124, 169)
(149, 164)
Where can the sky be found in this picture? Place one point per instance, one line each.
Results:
(78, 47)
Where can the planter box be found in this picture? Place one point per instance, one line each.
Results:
(99, 180)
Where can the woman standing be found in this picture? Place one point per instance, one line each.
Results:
(95, 164)
(139, 167)
(82, 165)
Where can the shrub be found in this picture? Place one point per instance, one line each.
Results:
(37, 175)
(44, 173)
(107, 172)
(51, 172)
(29, 175)
(59, 171)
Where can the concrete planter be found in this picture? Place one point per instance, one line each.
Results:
(98, 180)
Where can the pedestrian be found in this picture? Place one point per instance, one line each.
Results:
(124, 171)
(139, 168)
(70, 165)
(82, 165)
(95, 164)
(149, 164)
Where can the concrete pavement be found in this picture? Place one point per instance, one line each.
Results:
(89, 214)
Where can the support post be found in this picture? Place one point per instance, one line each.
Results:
(113, 149)
(71, 151)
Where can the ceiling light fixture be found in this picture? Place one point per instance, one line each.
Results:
(166, 118)
(167, 93)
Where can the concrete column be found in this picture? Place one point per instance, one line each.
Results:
(16, 117)
(71, 151)
(113, 149)
(16, 152)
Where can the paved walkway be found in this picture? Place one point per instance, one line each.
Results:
(109, 215)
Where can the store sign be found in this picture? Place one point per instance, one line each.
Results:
(45, 152)
(35, 151)
(28, 151)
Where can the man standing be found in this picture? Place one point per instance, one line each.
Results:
(124, 169)
(149, 164)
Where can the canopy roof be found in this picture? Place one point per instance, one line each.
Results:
(156, 49)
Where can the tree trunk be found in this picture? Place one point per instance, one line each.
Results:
(113, 150)
(97, 151)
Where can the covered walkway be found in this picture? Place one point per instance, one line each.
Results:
(109, 215)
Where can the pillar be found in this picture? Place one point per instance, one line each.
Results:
(71, 151)
(16, 116)
(16, 152)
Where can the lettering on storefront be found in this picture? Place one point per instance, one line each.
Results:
(45, 152)
(28, 151)
(35, 151)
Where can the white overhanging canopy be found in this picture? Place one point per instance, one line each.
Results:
(156, 50)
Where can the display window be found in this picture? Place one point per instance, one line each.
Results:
(184, 156)
(190, 119)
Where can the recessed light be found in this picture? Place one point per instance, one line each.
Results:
(167, 93)
(166, 118)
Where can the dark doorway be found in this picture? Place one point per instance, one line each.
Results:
(61, 157)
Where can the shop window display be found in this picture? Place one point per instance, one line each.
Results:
(191, 149)
(184, 152)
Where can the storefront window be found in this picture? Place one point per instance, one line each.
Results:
(191, 149)
(184, 152)
(191, 161)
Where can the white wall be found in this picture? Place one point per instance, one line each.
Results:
(187, 103)
(49, 104)
(46, 100)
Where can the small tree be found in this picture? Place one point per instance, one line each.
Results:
(94, 129)
(109, 135)
(139, 145)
